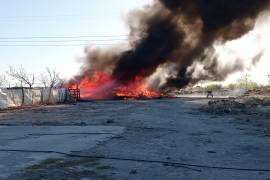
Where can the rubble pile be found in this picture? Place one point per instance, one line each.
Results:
(225, 106)
(260, 96)
(251, 99)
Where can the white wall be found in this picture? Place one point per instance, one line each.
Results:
(3, 100)
(13, 97)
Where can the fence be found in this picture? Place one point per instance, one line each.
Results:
(12, 97)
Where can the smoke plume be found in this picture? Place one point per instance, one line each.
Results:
(177, 35)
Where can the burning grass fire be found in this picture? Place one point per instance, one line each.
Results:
(102, 86)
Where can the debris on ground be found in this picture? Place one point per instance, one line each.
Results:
(110, 121)
(225, 106)
(251, 99)
(260, 96)
(133, 171)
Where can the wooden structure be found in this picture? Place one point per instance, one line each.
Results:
(74, 94)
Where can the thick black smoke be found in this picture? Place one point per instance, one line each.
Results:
(222, 20)
(181, 32)
(154, 49)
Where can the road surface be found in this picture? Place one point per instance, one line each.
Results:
(158, 139)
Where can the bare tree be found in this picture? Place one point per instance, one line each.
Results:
(50, 79)
(3, 80)
(44, 80)
(22, 76)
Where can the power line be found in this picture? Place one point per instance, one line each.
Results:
(45, 16)
(19, 18)
(51, 45)
(59, 39)
(63, 37)
(72, 40)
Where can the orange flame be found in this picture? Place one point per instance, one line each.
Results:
(102, 86)
(136, 89)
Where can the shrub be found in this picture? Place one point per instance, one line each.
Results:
(231, 86)
(246, 83)
(213, 87)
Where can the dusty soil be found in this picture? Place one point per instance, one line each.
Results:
(172, 130)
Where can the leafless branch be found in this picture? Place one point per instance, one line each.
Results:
(50, 78)
(3, 80)
(22, 76)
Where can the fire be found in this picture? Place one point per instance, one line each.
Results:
(136, 89)
(102, 86)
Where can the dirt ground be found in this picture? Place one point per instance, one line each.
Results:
(156, 133)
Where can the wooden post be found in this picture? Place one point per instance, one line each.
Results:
(78, 92)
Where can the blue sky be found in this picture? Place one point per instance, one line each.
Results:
(31, 18)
